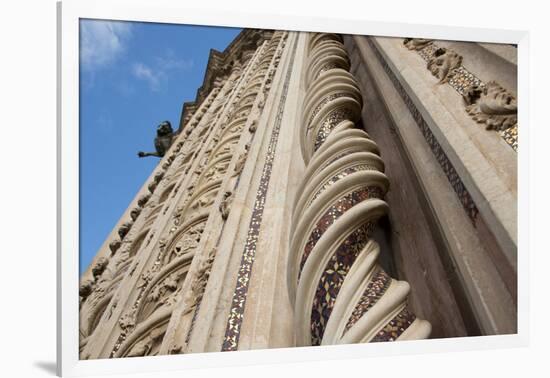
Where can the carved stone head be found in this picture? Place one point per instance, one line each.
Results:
(472, 94)
(495, 107)
(497, 100)
(124, 229)
(100, 266)
(86, 288)
(135, 213)
(114, 246)
(143, 199)
(164, 128)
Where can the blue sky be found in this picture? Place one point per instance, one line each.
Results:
(132, 77)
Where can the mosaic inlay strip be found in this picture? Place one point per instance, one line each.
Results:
(333, 277)
(452, 176)
(510, 135)
(461, 80)
(335, 117)
(325, 101)
(333, 213)
(236, 314)
(328, 66)
(395, 327)
(373, 292)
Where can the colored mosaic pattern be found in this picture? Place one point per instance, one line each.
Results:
(333, 213)
(395, 327)
(346, 172)
(427, 52)
(328, 66)
(373, 292)
(335, 117)
(333, 277)
(319, 106)
(510, 135)
(452, 176)
(462, 79)
(236, 314)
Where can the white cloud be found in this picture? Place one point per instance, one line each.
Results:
(171, 62)
(163, 66)
(142, 71)
(102, 42)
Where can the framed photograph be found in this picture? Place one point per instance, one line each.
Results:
(241, 188)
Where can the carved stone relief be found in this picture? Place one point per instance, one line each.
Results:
(487, 103)
(443, 63)
(416, 43)
(225, 205)
(163, 293)
(145, 346)
(185, 244)
(193, 297)
(492, 105)
(241, 161)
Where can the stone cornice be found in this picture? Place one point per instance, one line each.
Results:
(220, 64)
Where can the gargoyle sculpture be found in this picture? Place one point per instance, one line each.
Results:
(443, 62)
(164, 139)
(492, 105)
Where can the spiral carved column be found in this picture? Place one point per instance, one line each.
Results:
(339, 291)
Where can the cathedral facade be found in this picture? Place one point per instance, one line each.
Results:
(321, 189)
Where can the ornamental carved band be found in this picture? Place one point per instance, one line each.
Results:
(339, 291)
(488, 103)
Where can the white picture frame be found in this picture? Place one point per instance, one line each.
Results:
(69, 13)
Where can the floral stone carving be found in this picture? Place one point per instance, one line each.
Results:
(443, 63)
(416, 43)
(143, 347)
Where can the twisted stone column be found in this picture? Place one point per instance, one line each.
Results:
(339, 291)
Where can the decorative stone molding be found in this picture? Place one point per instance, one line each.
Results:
(454, 179)
(221, 64)
(338, 291)
(487, 103)
(238, 302)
